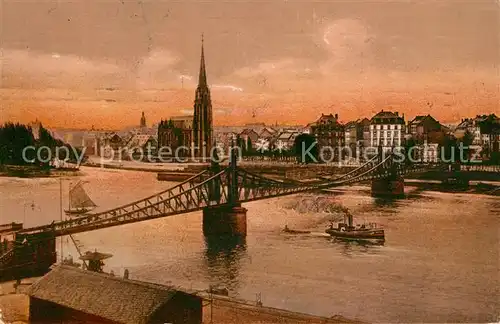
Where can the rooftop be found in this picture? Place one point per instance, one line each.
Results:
(117, 299)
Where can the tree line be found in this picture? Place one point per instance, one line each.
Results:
(15, 137)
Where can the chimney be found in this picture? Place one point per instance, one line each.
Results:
(336, 116)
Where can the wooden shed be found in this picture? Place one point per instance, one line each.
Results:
(71, 295)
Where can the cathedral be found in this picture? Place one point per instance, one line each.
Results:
(197, 135)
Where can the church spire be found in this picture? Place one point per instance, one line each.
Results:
(203, 74)
(143, 120)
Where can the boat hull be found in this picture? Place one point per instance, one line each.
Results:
(377, 234)
(291, 231)
(76, 213)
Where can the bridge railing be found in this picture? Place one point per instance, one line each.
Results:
(188, 200)
(209, 189)
(6, 257)
(121, 209)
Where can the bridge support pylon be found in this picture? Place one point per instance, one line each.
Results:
(225, 221)
(391, 187)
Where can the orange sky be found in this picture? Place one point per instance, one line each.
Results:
(90, 62)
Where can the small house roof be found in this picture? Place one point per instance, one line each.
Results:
(117, 299)
(95, 256)
(248, 131)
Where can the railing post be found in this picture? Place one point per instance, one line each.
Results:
(233, 178)
(215, 186)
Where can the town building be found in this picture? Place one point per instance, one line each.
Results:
(330, 135)
(427, 134)
(110, 145)
(357, 135)
(484, 130)
(426, 128)
(142, 146)
(70, 295)
(248, 138)
(267, 133)
(175, 137)
(284, 141)
(387, 129)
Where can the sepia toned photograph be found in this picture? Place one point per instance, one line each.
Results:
(249, 161)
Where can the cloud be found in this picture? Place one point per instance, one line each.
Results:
(33, 69)
(227, 86)
(158, 70)
(348, 43)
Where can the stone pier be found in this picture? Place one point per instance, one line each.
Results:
(225, 220)
(388, 187)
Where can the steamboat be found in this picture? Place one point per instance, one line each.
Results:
(359, 232)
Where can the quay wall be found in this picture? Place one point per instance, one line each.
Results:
(14, 304)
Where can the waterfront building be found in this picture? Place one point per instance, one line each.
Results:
(485, 131)
(329, 133)
(387, 129)
(426, 128)
(427, 133)
(357, 135)
(142, 145)
(71, 295)
(175, 134)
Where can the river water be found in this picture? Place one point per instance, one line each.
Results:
(440, 261)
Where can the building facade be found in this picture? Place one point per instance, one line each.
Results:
(387, 129)
(357, 135)
(485, 132)
(329, 133)
(175, 137)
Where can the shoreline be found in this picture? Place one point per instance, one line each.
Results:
(29, 171)
(14, 304)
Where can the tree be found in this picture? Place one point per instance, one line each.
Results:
(410, 151)
(448, 149)
(14, 138)
(305, 143)
(464, 144)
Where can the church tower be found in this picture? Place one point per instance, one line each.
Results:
(202, 121)
(143, 121)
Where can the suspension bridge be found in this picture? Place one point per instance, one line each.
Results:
(217, 191)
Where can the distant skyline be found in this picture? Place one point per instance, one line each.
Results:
(93, 62)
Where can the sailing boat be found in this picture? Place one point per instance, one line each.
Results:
(79, 202)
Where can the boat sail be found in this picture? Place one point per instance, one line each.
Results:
(79, 201)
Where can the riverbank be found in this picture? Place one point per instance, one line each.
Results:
(31, 171)
(14, 304)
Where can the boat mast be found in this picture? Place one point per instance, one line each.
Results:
(61, 213)
(69, 197)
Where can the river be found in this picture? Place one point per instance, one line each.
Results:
(440, 261)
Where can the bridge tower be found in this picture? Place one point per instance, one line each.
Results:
(229, 219)
(390, 183)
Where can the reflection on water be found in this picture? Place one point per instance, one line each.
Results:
(223, 255)
(349, 248)
(439, 262)
(385, 202)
